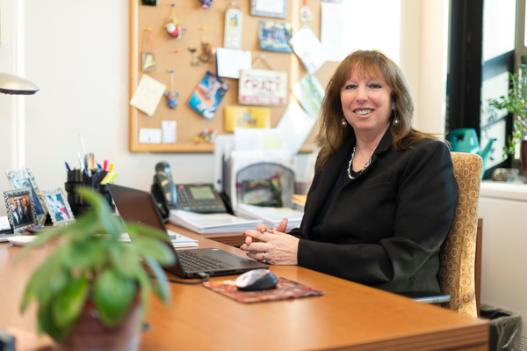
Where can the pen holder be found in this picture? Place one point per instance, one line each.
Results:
(76, 178)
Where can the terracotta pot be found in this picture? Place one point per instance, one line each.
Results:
(523, 156)
(90, 334)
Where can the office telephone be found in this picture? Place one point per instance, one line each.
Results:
(201, 198)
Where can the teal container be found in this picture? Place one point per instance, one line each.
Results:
(466, 140)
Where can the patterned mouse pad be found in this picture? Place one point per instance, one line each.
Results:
(285, 289)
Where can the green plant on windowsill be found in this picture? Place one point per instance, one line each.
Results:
(91, 269)
(515, 102)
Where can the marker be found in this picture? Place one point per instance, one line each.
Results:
(110, 167)
(105, 165)
(68, 168)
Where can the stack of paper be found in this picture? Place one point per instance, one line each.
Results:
(271, 216)
(211, 223)
(177, 240)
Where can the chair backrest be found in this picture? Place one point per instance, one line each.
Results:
(457, 271)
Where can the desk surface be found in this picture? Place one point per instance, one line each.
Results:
(349, 316)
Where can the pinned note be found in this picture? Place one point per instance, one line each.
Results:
(168, 129)
(150, 136)
(148, 94)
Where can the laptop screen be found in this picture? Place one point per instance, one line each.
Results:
(136, 206)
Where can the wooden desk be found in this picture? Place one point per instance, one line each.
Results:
(349, 316)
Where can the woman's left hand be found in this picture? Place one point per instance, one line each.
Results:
(272, 247)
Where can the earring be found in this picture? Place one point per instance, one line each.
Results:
(343, 123)
(395, 118)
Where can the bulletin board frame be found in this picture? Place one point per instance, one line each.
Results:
(203, 25)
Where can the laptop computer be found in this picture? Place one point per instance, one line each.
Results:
(138, 206)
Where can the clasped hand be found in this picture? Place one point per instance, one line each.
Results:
(272, 246)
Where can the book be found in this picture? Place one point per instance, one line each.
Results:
(271, 216)
(211, 223)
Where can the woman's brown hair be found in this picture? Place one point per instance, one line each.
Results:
(370, 63)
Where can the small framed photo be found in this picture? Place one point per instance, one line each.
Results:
(275, 36)
(20, 209)
(23, 178)
(269, 8)
(58, 207)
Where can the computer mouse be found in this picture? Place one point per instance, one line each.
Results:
(257, 279)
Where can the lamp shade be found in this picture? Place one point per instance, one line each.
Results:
(10, 84)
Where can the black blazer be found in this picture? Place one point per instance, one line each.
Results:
(384, 228)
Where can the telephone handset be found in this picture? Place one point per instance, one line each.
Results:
(163, 189)
(201, 198)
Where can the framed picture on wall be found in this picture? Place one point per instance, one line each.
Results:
(269, 8)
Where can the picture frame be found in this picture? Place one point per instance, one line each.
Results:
(207, 95)
(262, 87)
(275, 36)
(20, 209)
(58, 207)
(23, 178)
(269, 8)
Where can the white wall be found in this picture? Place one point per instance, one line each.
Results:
(77, 53)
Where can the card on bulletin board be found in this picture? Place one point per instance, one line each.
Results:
(309, 49)
(246, 117)
(147, 95)
(207, 95)
(262, 87)
(229, 62)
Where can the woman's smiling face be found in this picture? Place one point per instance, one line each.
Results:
(366, 103)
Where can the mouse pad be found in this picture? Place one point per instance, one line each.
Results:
(285, 289)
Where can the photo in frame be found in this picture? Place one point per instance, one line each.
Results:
(20, 209)
(262, 87)
(269, 8)
(207, 95)
(58, 207)
(23, 178)
(275, 36)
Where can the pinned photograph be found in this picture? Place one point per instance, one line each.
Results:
(207, 95)
(269, 8)
(19, 208)
(58, 207)
(275, 36)
(23, 178)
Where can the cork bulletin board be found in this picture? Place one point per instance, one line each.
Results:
(204, 25)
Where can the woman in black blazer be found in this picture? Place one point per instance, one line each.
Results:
(383, 196)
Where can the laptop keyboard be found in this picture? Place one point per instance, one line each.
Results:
(197, 263)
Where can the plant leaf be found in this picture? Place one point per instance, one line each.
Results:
(161, 284)
(86, 254)
(126, 260)
(144, 230)
(113, 296)
(68, 305)
(47, 324)
(147, 247)
(111, 223)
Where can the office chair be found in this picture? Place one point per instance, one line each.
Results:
(457, 268)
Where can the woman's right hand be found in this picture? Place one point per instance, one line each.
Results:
(262, 228)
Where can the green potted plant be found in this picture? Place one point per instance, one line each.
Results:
(92, 291)
(515, 102)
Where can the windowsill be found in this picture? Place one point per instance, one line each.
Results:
(503, 190)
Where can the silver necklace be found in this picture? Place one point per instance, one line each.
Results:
(350, 163)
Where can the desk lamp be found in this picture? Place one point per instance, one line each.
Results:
(10, 84)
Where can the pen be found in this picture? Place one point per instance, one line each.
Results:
(110, 167)
(105, 165)
(68, 168)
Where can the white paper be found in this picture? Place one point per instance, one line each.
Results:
(274, 6)
(310, 94)
(150, 136)
(231, 61)
(331, 30)
(307, 46)
(211, 223)
(147, 95)
(295, 126)
(257, 139)
(4, 223)
(168, 129)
